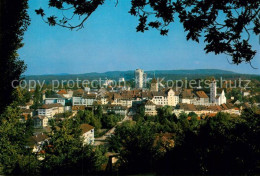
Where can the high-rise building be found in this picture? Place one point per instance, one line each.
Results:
(139, 78)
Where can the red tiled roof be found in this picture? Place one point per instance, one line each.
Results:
(63, 91)
(39, 116)
(201, 94)
(86, 127)
(187, 93)
(39, 137)
(149, 103)
(78, 107)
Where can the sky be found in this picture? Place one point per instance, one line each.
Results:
(109, 42)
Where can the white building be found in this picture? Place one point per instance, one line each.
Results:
(221, 98)
(49, 110)
(54, 99)
(214, 97)
(87, 134)
(150, 108)
(86, 100)
(213, 91)
(117, 109)
(140, 77)
(164, 98)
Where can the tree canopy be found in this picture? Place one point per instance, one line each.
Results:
(225, 25)
(13, 23)
(210, 146)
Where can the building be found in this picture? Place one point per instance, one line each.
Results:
(213, 91)
(27, 105)
(140, 77)
(55, 99)
(65, 93)
(121, 82)
(201, 110)
(86, 99)
(117, 109)
(87, 134)
(150, 108)
(40, 121)
(187, 96)
(216, 98)
(159, 98)
(49, 110)
(26, 113)
(173, 98)
(201, 98)
(78, 108)
(245, 94)
(221, 98)
(154, 85)
(36, 142)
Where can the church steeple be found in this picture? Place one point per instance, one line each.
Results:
(213, 91)
(154, 85)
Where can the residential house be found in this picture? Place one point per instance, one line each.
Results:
(27, 105)
(36, 142)
(87, 134)
(201, 98)
(150, 108)
(85, 99)
(65, 93)
(78, 107)
(89, 99)
(49, 110)
(187, 96)
(40, 121)
(55, 99)
(26, 113)
(117, 109)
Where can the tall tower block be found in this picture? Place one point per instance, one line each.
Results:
(139, 78)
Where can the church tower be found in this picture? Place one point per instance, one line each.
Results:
(154, 85)
(213, 91)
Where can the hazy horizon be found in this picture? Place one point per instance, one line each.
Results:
(134, 70)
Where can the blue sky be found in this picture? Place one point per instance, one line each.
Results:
(110, 42)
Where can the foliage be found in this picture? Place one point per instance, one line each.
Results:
(134, 142)
(110, 120)
(13, 139)
(49, 93)
(236, 93)
(37, 98)
(23, 96)
(14, 22)
(214, 145)
(65, 152)
(99, 112)
(63, 115)
(97, 119)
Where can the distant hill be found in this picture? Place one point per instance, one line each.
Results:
(128, 75)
